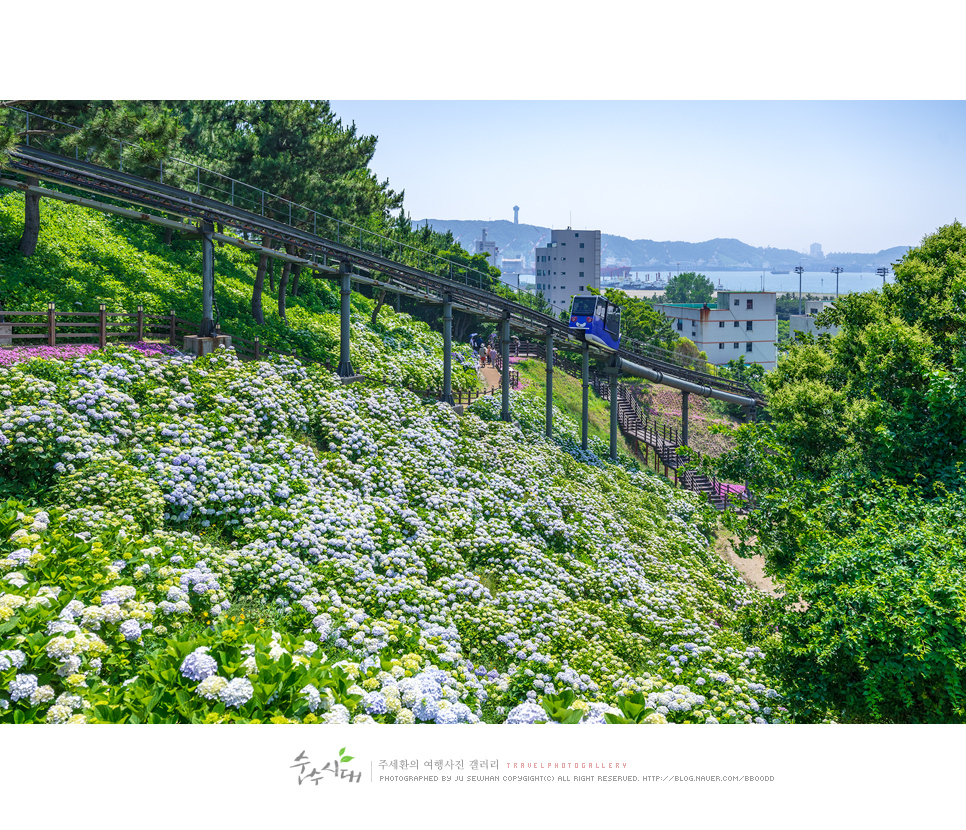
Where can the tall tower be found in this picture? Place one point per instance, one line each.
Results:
(516, 214)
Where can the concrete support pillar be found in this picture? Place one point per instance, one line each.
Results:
(505, 357)
(549, 429)
(613, 416)
(684, 417)
(345, 361)
(585, 407)
(207, 281)
(447, 349)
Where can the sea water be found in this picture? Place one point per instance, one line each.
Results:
(814, 282)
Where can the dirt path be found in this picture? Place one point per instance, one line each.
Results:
(752, 570)
(491, 376)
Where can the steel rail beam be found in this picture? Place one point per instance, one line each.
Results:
(619, 365)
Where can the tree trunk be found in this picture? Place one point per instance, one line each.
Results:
(379, 301)
(271, 274)
(283, 284)
(462, 322)
(168, 236)
(31, 220)
(259, 288)
(296, 270)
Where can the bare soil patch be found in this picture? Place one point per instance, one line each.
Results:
(752, 570)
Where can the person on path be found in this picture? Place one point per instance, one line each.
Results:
(492, 356)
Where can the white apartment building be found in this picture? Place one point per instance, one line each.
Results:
(488, 247)
(739, 323)
(568, 265)
(806, 322)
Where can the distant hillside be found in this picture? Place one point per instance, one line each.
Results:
(514, 240)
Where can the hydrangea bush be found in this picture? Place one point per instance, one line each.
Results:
(221, 541)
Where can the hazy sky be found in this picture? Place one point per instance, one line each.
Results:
(853, 176)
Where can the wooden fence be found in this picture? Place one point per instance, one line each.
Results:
(53, 326)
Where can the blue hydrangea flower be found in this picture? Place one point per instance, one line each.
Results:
(462, 712)
(23, 685)
(447, 716)
(426, 709)
(131, 629)
(375, 703)
(198, 665)
(527, 713)
(428, 686)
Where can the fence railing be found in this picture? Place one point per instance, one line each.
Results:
(55, 326)
(664, 441)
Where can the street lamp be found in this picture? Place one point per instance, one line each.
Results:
(836, 270)
(798, 270)
(882, 273)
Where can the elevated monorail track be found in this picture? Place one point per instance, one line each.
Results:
(380, 265)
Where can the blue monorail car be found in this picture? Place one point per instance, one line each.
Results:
(598, 320)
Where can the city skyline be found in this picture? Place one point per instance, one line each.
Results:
(851, 176)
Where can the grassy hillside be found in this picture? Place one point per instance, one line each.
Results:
(85, 257)
(568, 398)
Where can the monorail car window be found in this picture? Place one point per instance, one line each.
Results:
(583, 306)
(613, 322)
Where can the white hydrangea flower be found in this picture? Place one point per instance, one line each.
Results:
(337, 714)
(211, 687)
(237, 693)
(59, 713)
(13, 657)
(42, 694)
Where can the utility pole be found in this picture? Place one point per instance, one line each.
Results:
(798, 270)
(882, 273)
(836, 270)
